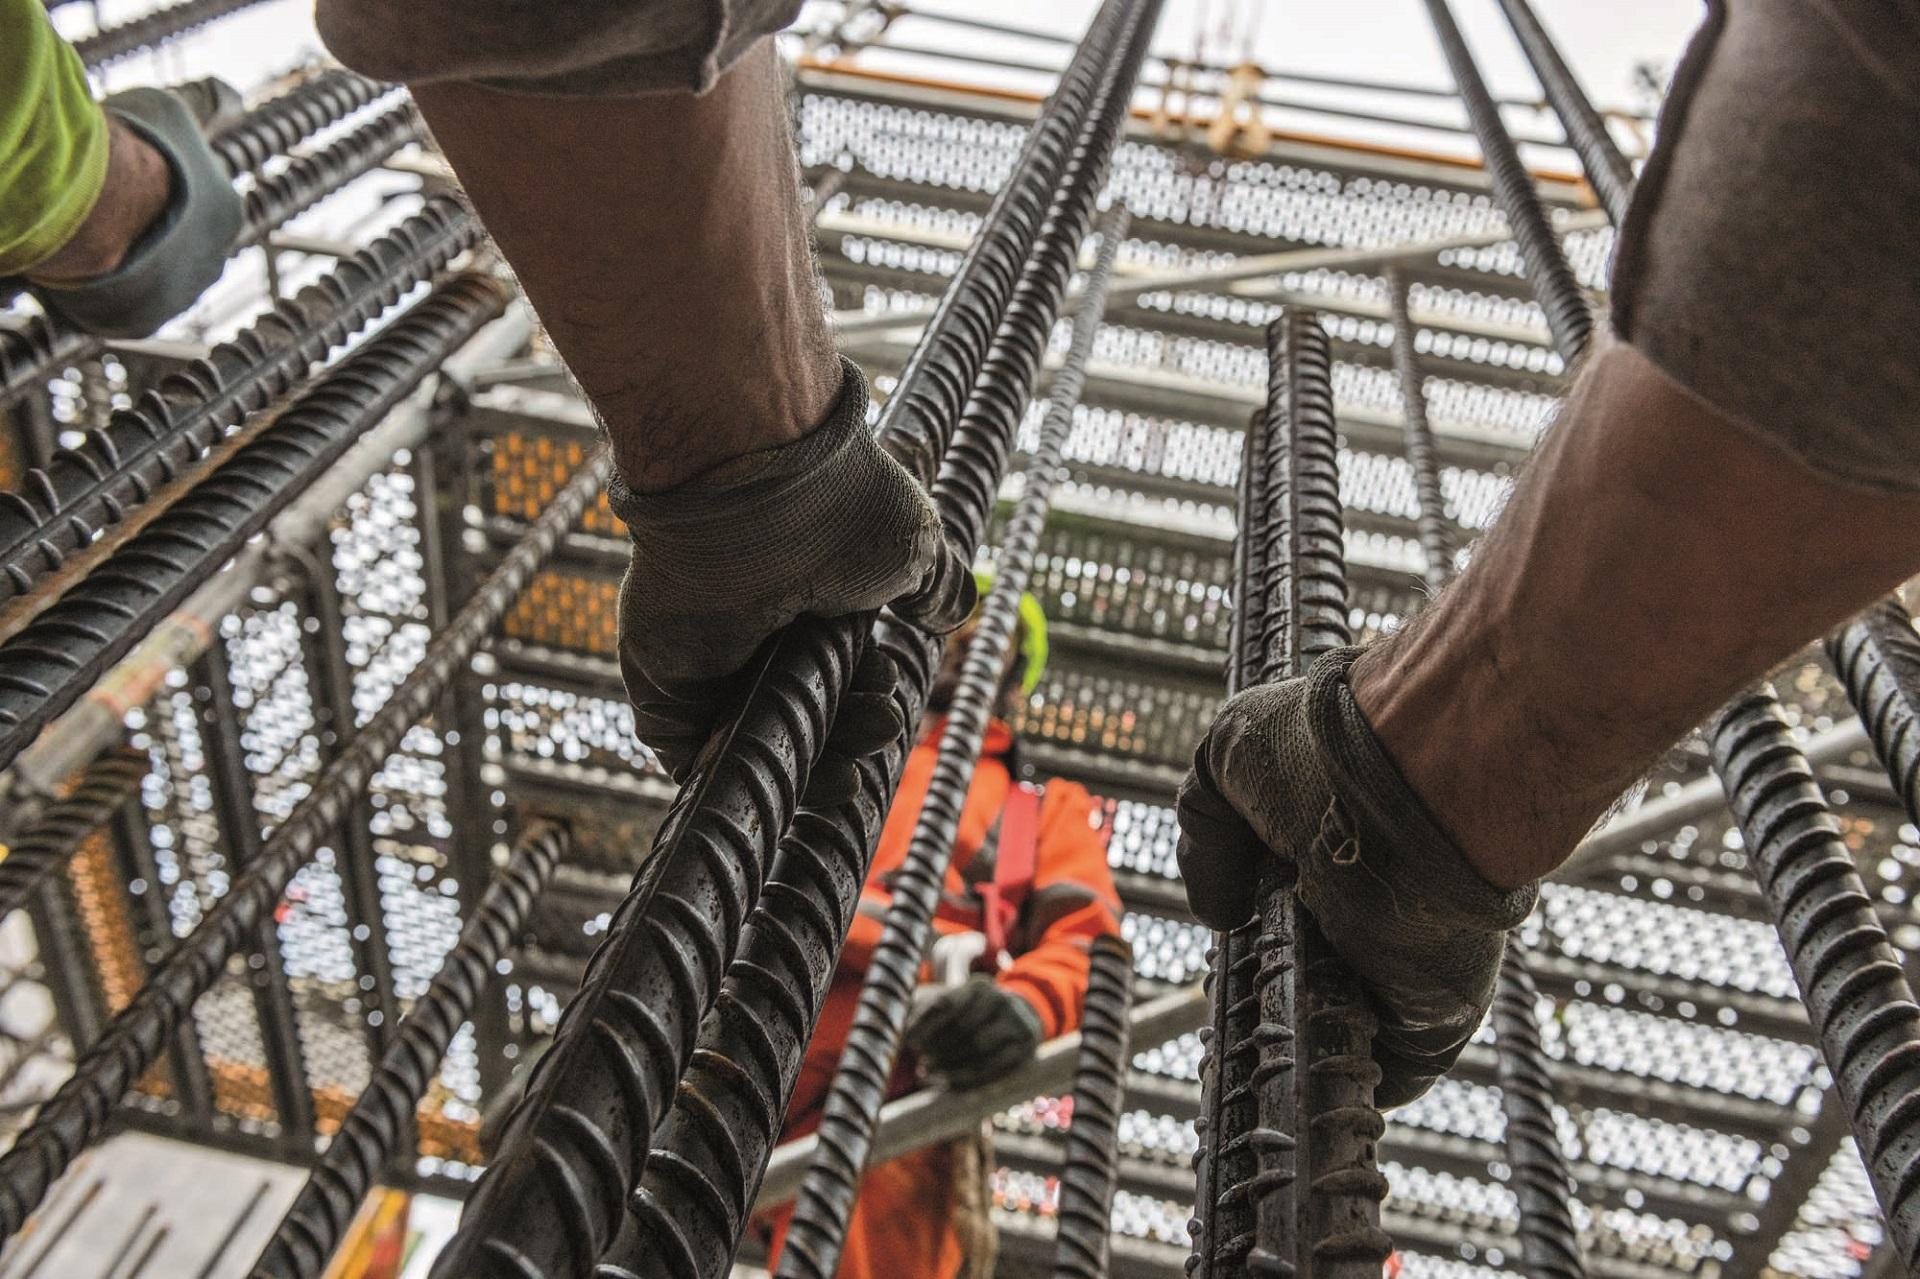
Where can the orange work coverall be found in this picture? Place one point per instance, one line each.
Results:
(903, 1220)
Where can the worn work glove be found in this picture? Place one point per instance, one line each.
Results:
(975, 1033)
(186, 249)
(1293, 771)
(824, 526)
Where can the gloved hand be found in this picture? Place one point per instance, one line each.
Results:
(186, 249)
(824, 526)
(1293, 772)
(975, 1033)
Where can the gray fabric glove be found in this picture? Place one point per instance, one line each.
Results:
(1292, 771)
(975, 1033)
(824, 526)
(186, 249)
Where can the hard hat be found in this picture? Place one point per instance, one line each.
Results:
(1033, 631)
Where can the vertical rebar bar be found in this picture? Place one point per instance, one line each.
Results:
(382, 1116)
(552, 1202)
(1559, 293)
(1548, 1240)
(1878, 658)
(859, 1087)
(1607, 168)
(1087, 1176)
(1850, 978)
(78, 1113)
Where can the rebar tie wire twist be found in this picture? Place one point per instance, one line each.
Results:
(553, 1201)
(79, 1110)
(382, 1116)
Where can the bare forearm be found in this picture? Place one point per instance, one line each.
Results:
(661, 240)
(1641, 575)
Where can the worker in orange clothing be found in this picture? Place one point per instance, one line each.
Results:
(1040, 853)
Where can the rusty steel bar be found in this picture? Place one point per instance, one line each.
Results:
(851, 1108)
(1878, 658)
(47, 845)
(78, 1113)
(382, 1116)
(1850, 977)
(1543, 1183)
(1569, 317)
(552, 1202)
(1087, 1177)
(1607, 167)
(55, 658)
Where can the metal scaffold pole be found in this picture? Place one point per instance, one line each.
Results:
(577, 1147)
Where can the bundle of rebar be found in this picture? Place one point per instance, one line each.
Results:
(556, 1197)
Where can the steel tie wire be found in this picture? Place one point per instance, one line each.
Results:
(1544, 1186)
(78, 1113)
(817, 1233)
(382, 1116)
(1092, 1163)
(575, 1149)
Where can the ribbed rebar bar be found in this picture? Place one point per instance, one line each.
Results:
(30, 353)
(701, 1179)
(79, 1111)
(1607, 168)
(1878, 658)
(33, 353)
(383, 1115)
(574, 1154)
(1435, 530)
(96, 483)
(132, 36)
(1542, 1181)
(311, 178)
(1314, 1076)
(965, 492)
(51, 841)
(1568, 315)
(1223, 1159)
(1099, 1087)
(1540, 1178)
(50, 662)
(278, 125)
(1850, 978)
